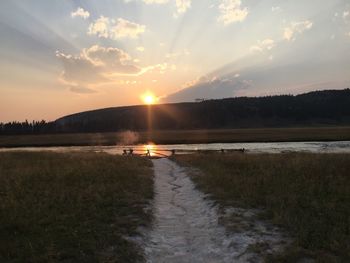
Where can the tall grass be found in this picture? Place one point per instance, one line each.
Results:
(308, 194)
(72, 207)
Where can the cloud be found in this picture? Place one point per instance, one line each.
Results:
(276, 9)
(105, 27)
(182, 6)
(266, 44)
(80, 12)
(125, 28)
(174, 55)
(160, 68)
(140, 49)
(155, 1)
(295, 28)
(210, 88)
(94, 66)
(231, 11)
(110, 59)
(79, 70)
(100, 27)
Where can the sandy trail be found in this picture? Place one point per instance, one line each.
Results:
(186, 225)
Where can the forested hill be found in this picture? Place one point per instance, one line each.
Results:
(331, 107)
(319, 108)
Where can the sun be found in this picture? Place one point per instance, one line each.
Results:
(149, 99)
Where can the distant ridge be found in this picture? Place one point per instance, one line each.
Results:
(318, 108)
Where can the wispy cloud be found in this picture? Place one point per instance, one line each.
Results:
(155, 1)
(105, 27)
(296, 28)
(210, 88)
(80, 12)
(184, 52)
(231, 11)
(266, 44)
(276, 9)
(140, 49)
(182, 6)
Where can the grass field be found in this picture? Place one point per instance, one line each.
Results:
(307, 194)
(72, 207)
(177, 137)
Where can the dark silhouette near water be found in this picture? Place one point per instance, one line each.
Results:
(319, 108)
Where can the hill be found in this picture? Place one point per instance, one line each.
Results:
(318, 108)
(314, 109)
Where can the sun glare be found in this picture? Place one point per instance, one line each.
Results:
(149, 99)
(149, 148)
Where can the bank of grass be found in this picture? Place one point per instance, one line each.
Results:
(308, 194)
(72, 207)
(181, 136)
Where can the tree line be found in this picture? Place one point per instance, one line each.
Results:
(26, 127)
(319, 108)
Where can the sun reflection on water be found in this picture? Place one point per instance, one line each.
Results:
(150, 149)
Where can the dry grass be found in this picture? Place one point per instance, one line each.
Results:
(181, 136)
(308, 194)
(72, 207)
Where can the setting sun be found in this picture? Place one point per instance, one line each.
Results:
(149, 99)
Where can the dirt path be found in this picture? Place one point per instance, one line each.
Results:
(186, 225)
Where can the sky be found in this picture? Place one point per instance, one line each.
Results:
(59, 57)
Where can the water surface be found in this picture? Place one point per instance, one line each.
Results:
(165, 150)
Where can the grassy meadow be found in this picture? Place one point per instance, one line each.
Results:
(180, 136)
(72, 207)
(307, 194)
